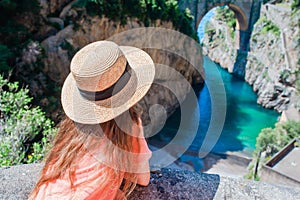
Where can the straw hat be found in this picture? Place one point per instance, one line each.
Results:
(105, 81)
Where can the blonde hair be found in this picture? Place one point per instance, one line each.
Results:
(73, 141)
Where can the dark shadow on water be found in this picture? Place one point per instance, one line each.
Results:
(228, 140)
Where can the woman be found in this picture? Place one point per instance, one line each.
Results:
(100, 151)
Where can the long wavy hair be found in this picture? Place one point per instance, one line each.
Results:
(73, 140)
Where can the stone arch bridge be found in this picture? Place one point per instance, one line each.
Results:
(246, 12)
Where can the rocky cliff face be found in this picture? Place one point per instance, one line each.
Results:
(218, 45)
(272, 62)
(70, 28)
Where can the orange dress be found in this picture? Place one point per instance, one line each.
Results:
(89, 183)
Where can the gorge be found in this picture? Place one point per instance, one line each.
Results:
(62, 27)
(266, 76)
(272, 63)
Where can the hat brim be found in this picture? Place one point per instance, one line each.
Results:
(84, 111)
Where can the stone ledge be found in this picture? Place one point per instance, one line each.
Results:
(16, 183)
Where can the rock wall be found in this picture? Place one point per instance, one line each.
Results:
(272, 61)
(70, 28)
(218, 45)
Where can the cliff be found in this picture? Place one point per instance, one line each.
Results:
(65, 28)
(272, 63)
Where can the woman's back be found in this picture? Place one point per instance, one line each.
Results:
(92, 180)
(92, 177)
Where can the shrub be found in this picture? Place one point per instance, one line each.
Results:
(269, 26)
(227, 15)
(298, 78)
(295, 5)
(25, 131)
(145, 10)
(272, 140)
(210, 32)
(5, 54)
(11, 31)
(70, 49)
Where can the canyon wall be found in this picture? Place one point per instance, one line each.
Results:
(70, 28)
(273, 61)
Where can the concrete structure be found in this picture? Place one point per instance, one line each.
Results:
(16, 183)
(246, 12)
(284, 167)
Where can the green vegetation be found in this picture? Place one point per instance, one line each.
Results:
(145, 10)
(285, 74)
(67, 46)
(265, 74)
(266, 1)
(298, 78)
(210, 32)
(295, 5)
(269, 26)
(25, 131)
(227, 15)
(5, 55)
(14, 34)
(272, 140)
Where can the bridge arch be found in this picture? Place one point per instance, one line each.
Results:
(242, 21)
(246, 12)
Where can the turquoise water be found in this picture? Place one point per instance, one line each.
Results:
(244, 117)
(243, 122)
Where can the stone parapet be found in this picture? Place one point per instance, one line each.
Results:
(16, 183)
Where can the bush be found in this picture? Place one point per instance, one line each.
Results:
(145, 10)
(210, 32)
(295, 5)
(272, 140)
(11, 31)
(227, 15)
(269, 26)
(298, 78)
(25, 131)
(266, 1)
(5, 54)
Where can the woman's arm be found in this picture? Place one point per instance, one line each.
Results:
(143, 179)
(144, 154)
